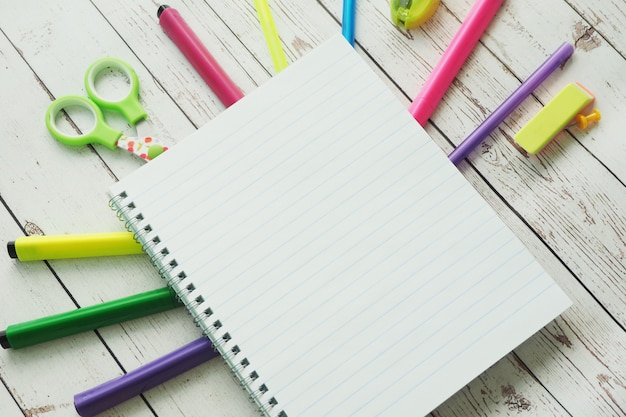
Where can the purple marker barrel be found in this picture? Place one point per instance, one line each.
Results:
(525, 89)
(111, 393)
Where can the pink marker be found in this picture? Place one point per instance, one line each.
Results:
(197, 54)
(453, 59)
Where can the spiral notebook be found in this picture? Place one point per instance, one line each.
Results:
(338, 261)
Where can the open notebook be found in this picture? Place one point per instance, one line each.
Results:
(340, 263)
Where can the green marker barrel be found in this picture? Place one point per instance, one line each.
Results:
(88, 318)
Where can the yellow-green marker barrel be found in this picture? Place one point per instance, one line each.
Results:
(38, 248)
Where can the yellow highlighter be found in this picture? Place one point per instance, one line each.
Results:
(38, 248)
(564, 108)
(271, 35)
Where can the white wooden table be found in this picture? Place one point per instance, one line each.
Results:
(567, 203)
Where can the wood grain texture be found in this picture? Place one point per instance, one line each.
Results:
(566, 203)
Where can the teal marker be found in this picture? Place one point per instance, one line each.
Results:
(88, 318)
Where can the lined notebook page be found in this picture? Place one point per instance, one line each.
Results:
(321, 232)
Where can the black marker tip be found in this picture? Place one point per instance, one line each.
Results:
(161, 9)
(4, 341)
(11, 249)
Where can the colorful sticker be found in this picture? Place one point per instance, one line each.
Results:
(146, 147)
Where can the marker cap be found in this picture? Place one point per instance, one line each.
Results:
(4, 340)
(11, 249)
(161, 9)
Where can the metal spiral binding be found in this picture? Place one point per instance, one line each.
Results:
(114, 203)
(152, 245)
(238, 363)
(120, 209)
(168, 269)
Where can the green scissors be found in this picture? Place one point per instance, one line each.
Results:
(146, 147)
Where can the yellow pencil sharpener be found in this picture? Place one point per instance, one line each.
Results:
(410, 14)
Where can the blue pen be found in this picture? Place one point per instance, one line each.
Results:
(347, 20)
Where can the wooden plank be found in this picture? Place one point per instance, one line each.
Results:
(138, 25)
(38, 174)
(33, 374)
(606, 20)
(240, 20)
(245, 17)
(505, 389)
(584, 345)
(584, 341)
(8, 406)
(48, 41)
(85, 209)
(596, 64)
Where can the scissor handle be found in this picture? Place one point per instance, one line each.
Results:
(129, 106)
(101, 133)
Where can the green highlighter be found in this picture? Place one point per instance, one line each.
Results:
(88, 318)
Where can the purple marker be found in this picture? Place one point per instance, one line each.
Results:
(111, 393)
(506, 108)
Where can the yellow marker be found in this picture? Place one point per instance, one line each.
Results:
(38, 248)
(554, 117)
(271, 35)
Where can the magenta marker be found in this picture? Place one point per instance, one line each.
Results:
(455, 55)
(197, 54)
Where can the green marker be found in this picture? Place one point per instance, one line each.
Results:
(88, 318)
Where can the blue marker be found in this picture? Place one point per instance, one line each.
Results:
(347, 20)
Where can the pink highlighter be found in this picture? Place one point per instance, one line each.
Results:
(197, 54)
(453, 59)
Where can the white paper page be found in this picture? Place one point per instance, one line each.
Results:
(348, 260)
